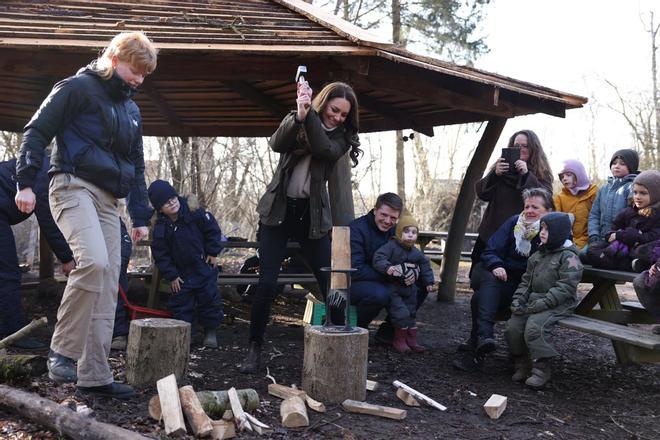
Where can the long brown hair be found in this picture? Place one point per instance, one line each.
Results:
(352, 122)
(537, 162)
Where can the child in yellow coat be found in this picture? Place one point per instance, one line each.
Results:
(576, 197)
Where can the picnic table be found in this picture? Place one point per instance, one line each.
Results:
(612, 317)
(435, 254)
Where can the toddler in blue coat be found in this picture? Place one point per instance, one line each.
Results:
(185, 245)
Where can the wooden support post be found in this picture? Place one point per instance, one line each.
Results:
(192, 409)
(335, 363)
(168, 393)
(463, 208)
(46, 270)
(341, 192)
(156, 347)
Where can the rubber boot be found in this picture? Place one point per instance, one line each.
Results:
(399, 342)
(523, 368)
(252, 361)
(210, 338)
(541, 374)
(411, 340)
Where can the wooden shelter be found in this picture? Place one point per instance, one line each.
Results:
(226, 68)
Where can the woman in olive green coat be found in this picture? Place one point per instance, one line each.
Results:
(296, 204)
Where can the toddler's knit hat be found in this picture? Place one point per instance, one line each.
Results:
(630, 158)
(160, 191)
(650, 179)
(559, 229)
(582, 179)
(406, 220)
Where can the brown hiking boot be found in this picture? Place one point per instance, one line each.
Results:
(399, 342)
(523, 367)
(411, 340)
(541, 374)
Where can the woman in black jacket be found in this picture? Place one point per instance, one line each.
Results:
(96, 160)
(296, 204)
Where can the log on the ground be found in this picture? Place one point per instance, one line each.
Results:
(156, 348)
(374, 410)
(335, 364)
(170, 404)
(372, 385)
(283, 391)
(61, 419)
(21, 366)
(214, 403)
(495, 406)
(20, 334)
(406, 397)
(222, 430)
(419, 396)
(294, 412)
(192, 409)
(240, 417)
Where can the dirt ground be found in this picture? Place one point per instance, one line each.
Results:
(589, 397)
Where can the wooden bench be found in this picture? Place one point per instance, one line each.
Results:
(435, 254)
(631, 345)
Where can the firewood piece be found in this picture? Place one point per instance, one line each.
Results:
(222, 430)
(258, 427)
(406, 397)
(239, 415)
(20, 334)
(192, 409)
(372, 385)
(20, 366)
(228, 416)
(294, 412)
(374, 410)
(61, 419)
(284, 392)
(214, 403)
(156, 347)
(314, 404)
(168, 394)
(495, 406)
(419, 396)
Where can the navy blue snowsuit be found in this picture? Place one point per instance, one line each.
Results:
(180, 249)
(122, 323)
(11, 317)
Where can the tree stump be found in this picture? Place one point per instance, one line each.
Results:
(157, 347)
(335, 364)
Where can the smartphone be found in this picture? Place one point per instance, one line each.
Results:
(511, 156)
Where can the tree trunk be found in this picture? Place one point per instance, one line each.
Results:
(335, 364)
(156, 348)
(464, 202)
(656, 97)
(400, 167)
(61, 419)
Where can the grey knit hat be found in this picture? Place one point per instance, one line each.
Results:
(650, 179)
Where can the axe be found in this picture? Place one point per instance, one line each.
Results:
(301, 73)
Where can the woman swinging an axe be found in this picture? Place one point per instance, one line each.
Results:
(296, 204)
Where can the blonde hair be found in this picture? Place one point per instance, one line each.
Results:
(133, 48)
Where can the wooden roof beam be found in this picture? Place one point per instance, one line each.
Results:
(380, 107)
(258, 97)
(161, 103)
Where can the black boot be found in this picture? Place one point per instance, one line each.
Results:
(252, 361)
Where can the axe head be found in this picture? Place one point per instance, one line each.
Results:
(301, 73)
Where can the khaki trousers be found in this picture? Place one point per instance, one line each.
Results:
(89, 220)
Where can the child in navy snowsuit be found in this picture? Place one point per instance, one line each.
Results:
(185, 245)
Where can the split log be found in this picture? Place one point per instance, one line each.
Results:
(239, 415)
(156, 348)
(168, 393)
(192, 409)
(314, 404)
(374, 410)
(222, 430)
(495, 406)
(214, 403)
(419, 396)
(294, 413)
(258, 427)
(406, 397)
(21, 366)
(284, 392)
(61, 419)
(335, 364)
(372, 385)
(20, 334)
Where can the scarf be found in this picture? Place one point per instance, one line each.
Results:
(524, 232)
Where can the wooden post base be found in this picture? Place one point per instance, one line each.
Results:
(157, 347)
(335, 364)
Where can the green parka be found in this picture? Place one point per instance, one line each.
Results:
(293, 140)
(552, 277)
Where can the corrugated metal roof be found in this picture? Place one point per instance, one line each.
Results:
(226, 67)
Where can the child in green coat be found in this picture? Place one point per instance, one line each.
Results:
(547, 293)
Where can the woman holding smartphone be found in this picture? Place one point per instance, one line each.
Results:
(502, 187)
